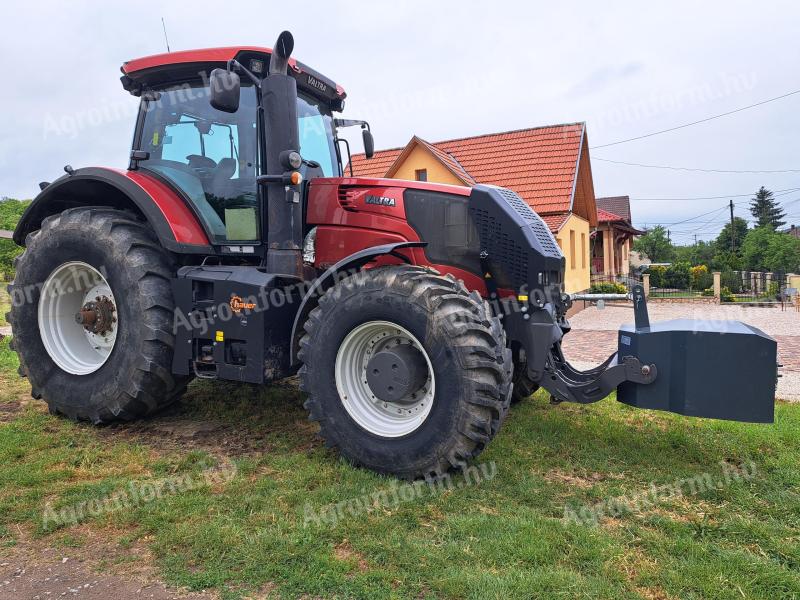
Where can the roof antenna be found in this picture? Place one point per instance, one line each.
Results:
(166, 39)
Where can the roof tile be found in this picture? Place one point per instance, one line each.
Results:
(538, 164)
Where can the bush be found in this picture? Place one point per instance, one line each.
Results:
(708, 292)
(678, 276)
(725, 295)
(8, 252)
(699, 276)
(656, 276)
(608, 287)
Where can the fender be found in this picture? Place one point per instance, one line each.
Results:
(175, 224)
(324, 281)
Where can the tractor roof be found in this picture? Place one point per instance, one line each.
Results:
(174, 67)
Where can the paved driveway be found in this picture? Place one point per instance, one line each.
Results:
(594, 333)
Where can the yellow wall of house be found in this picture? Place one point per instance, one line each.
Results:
(573, 238)
(421, 158)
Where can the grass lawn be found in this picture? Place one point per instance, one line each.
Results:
(503, 538)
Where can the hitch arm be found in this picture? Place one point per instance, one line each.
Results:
(568, 384)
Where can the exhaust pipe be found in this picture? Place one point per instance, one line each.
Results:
(284, 214)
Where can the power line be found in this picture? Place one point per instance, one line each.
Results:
(706, 225)
(788, 190)
(672, 168)
(711, 118)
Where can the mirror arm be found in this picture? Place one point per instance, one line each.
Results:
(235, 65)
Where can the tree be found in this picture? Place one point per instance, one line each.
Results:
(767, 250)
(655, 245)
(754, 248)
(725, 260)
(766, 210)
(783, 254)
(725, 243)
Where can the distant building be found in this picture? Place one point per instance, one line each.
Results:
(793, 230)
(612, 240)
(547, 166)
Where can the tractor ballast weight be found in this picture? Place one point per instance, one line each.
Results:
(234, 248)
(713, 369)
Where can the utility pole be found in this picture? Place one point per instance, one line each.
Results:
(733, 230)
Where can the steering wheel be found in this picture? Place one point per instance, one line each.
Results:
(172, 164)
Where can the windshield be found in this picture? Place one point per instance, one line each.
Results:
(315, 128)
(210, 155)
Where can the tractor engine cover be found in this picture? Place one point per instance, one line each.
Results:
(715, 369)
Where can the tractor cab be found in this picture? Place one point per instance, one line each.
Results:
(213, 157)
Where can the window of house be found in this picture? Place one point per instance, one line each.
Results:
(571, 248)
(421, 174)
(583, 250)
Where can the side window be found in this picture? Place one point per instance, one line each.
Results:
(180, 141)
(183, 139)
(210, 156)
(314, 142)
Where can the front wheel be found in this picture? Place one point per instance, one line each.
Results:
(406, 372)
(92, 316)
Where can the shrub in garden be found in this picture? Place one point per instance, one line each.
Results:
(657, 276)
(698, 276)
(608, 287)
(678, 276)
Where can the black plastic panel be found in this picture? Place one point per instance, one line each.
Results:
(250, 345)
(493, 227)
(444, 222)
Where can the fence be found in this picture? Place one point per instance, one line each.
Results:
(602, 283)
(753, 287)
(681, 284)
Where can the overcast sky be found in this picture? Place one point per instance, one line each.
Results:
(449, 69)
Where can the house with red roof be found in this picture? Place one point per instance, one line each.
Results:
(547, 166)
(612, 240)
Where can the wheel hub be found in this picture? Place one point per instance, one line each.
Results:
(97, 316)
(77, 318)
(395, 400)
(396, 374)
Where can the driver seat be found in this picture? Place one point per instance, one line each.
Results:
(220, 183)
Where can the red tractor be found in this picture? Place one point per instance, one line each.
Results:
(234, 247)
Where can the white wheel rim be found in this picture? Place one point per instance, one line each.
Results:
(73, 347)
(386, 419)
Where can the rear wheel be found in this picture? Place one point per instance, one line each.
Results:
(406, 371)
(92, 316)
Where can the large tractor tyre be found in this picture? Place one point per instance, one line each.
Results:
(523, 387)
(92, 316)
(406, 372)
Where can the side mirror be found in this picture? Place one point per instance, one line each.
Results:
(369, 143)
(224, 88)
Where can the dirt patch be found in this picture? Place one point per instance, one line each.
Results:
(344, 552)
(8, 410)
(81, 562)
(580, 481)
(177, 432)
